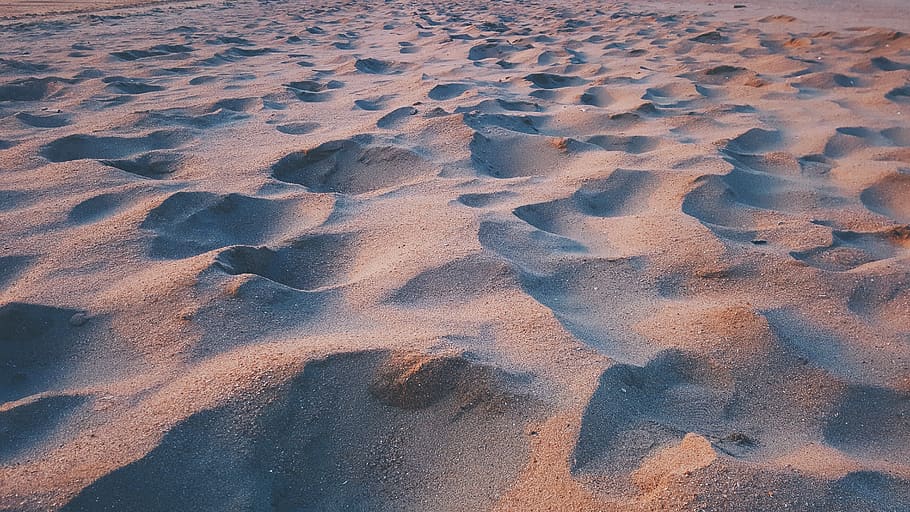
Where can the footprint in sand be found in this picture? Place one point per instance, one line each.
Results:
(155, 51)
(130, 85)
(851, 249)
(154, 165)
(81, 146)
(190, 223)
(301, 128)
(44, 121)
(352, 166)
(376, 67)
(307, 263)
(444, 92)
(32, 89)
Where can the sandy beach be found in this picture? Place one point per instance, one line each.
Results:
(455, 256)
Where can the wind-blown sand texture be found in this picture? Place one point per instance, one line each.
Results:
(454, 256)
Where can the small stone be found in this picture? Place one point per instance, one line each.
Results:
(78, 319)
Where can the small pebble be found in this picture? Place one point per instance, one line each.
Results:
(78, 319)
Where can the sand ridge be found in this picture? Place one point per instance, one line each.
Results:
(406, 256)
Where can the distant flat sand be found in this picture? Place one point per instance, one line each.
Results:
(510, 256)
(830, 13)
(18, 8)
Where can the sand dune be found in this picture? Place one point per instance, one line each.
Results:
(646, 256)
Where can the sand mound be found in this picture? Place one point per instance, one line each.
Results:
(28, 425)
(35, 343)
(889, 197)
(638, 410)
(460, 281)
(342, 433)
(871, 421)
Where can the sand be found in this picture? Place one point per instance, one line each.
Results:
(456, 256)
